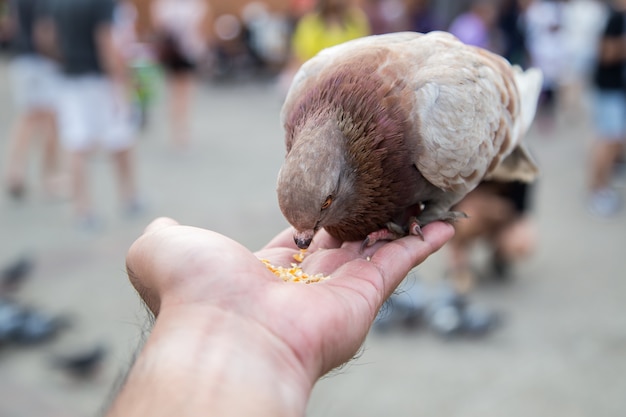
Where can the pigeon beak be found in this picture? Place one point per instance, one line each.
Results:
(303, 239)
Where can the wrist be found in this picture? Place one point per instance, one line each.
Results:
(211, 362)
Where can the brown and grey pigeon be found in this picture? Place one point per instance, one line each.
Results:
(384, 134)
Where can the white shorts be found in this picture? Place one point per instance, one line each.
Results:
(35, 82)
(93, 112)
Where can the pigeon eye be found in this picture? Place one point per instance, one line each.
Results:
(327, 203)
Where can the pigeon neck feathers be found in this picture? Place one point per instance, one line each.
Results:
(358, 113)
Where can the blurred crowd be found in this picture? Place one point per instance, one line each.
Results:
(67, 55)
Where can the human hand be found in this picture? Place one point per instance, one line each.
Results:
(323, 323)
(205, 285)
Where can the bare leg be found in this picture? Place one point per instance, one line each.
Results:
(180, 95)
(80, 192)
(603, 200)
(19, 145)
(517, 240)
(461, 274)
(487, 212)
(466, 232)
(603, 158)
(51, 167)
(124, 167)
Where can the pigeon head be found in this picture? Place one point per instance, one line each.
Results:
(345, 154)
(314, 184)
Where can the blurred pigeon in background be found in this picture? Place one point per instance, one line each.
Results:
(436, 307)
(12, 276)
(23, 325)
(81, 365)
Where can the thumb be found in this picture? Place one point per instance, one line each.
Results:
(139, 262)
(160, 223)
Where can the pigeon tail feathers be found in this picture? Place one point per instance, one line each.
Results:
(529, 85)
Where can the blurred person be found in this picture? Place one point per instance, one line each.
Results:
(512, 27)
(422, 17)
(225, 325)
(5, 23)
(266, 37)
(386, 16)
(499, 212)
(94, 100)
(35, 79)
(331, 23)
(499, 216)
(477, 26)
(584, 22)
(230, 48)
(547, 47)
(298, 8)
(181, 44)
(609, 111)
(138, 56)
(124, 31)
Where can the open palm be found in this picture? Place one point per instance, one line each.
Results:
(323, 324)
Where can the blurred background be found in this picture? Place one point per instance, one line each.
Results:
(522, 315)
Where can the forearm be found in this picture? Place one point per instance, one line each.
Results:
(196, 363)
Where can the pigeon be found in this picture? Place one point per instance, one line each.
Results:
(384, 134)
(14, 274)
(81, 365)
(24, 325)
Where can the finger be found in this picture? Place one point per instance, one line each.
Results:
(327, 261)
(160, 223)
(395, 259)
(138, 260)
(283, 239)
(151, 254)
(323, 240)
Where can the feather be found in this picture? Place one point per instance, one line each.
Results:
(394, 129)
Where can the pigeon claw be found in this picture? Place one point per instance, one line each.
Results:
(415, 229)
(389, 233)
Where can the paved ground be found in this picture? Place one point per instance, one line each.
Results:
(562, 351)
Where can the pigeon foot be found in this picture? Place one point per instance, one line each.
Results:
(391, 232)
